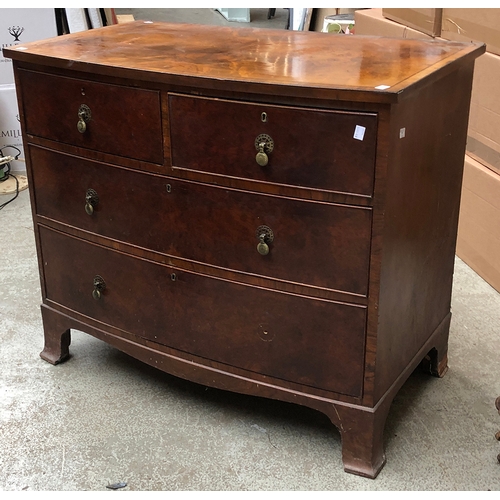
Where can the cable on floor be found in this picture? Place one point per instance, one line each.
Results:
(5, 165)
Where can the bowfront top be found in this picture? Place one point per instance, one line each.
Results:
(247, 56)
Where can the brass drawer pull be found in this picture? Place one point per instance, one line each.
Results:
(91, 201)
(99, 286)
(265, 236)
(84, 116)
(264, 144)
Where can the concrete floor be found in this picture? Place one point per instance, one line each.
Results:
(258, 17)
(103, 417)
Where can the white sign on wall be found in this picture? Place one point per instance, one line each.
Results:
(10, 127)
(19, 26)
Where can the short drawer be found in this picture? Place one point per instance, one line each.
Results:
(52, 105)
(322, 149)
(312, 342)
(317, 244)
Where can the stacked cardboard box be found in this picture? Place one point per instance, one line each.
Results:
(478, 242)
(372, 22)
(479, 228)
(18, 26)
(427, 21)
(479, 25)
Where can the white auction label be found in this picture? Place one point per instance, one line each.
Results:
(359, 132)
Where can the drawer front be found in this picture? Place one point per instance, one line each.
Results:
(318, 244)
(311, 342)
(327, 150)
(52, 104)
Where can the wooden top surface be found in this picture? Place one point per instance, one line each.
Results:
(173, 52)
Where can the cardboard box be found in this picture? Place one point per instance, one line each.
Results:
(124, 18)
(478, 25)
(18, 26)
(427, 21)
(10, 127)
(372, 22)
(478, 242)
(483, 142)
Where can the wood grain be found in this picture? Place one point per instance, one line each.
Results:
(307, 341)
(222, 137)
(190, 220)
(112, 127)
(252, 57)
(355, 292)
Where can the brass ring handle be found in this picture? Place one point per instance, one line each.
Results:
(91, 201)
(99, 286)
(264, 145)
(84, 116)
(265, 236)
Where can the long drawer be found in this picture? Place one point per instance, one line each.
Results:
(52, 105)
(322, 149)
(308, 341)
(317, 244)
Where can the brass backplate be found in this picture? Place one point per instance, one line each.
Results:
(266, 141)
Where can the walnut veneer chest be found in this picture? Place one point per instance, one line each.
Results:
(267, 212)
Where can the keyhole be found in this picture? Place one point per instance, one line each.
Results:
(263, 117)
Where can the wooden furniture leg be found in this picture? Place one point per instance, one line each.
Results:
(436, 361)
(497, 435)
(57, 337)
(362, 434)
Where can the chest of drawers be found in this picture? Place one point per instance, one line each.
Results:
(267, 212)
